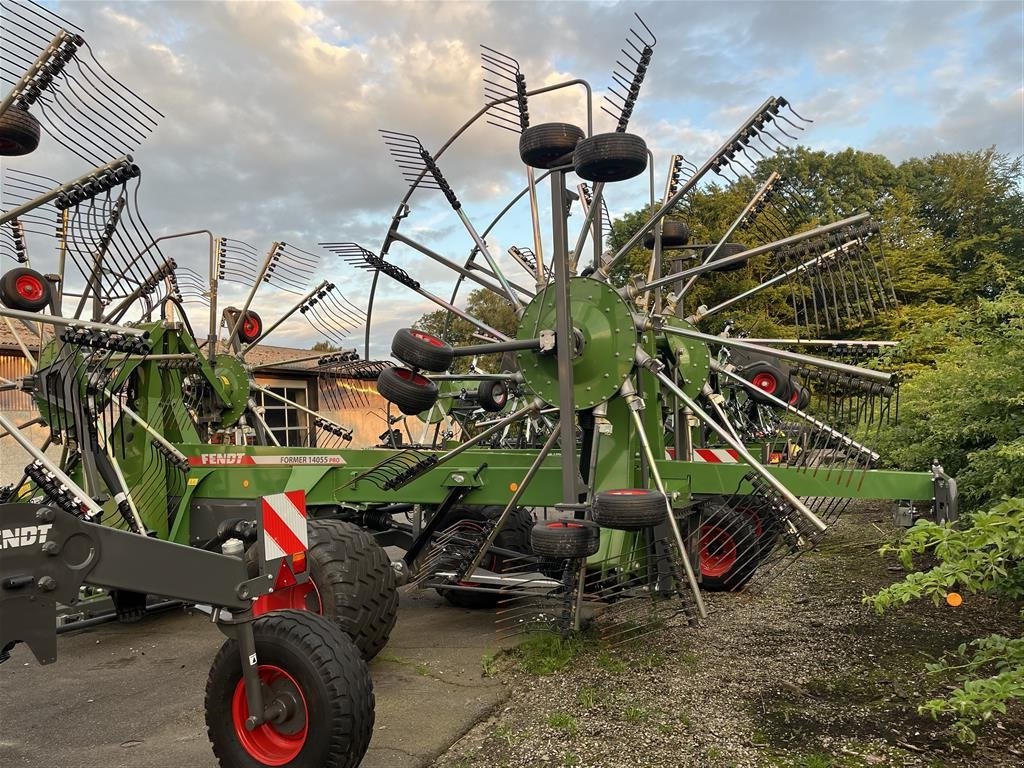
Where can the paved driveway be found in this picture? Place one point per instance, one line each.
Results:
(130, 696)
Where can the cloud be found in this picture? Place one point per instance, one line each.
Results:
(272, 109)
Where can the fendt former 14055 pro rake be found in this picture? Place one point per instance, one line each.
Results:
(623, 454)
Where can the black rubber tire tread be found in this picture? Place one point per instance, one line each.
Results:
(9, 292)
(546, 145)
(19, 132)
(565, 539)
(514, 535)
(335, 682)
(674, 234)
(417, 353)
(488, 400)
(803, 398)
(631, 511)
(783, 390)
(357, 585)
(249, 338)
(411, 398)
(741, 530)
(609, 157)
(727, 250)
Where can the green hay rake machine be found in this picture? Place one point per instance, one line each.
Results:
(670, 460)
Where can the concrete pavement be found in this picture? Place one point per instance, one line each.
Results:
(131, 696)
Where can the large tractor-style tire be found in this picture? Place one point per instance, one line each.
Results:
(514, 535)
(19, 132)
(316, 672)
(545, 145)
(408, 390)
(565, 539)
(609, 157)
(728, 548)
(629, 509)
(351, 582)
(25, 289)
(423, 350)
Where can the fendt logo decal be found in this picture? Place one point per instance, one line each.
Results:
(25, 536)
(219, 459)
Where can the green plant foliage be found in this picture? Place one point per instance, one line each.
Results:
(985, 555)
(967, 410)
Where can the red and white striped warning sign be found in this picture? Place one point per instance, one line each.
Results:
(716, 455)
(284, 525)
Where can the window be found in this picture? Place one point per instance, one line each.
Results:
(289, 424)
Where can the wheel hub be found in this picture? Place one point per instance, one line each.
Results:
(604, 343)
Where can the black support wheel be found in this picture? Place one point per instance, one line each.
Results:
(630, 509)
(355, 582)
(727, 250)
(492, 396)
(547, 145)
(770, 379)
(250, 328)
(609, 157)
(408, 390)
(19, 132)
(729, 550)
(25, 289)
(419, 349)
(565, 539)
(674, 234)
(321, 687)
(514, 535)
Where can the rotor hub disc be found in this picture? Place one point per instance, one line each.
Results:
(604, 350)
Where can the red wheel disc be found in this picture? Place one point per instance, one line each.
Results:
(414, 378)
(299, 597)
(266, 743)
(766, 382)
(433, 340)
(562, 524)
(29, 287)
(251, 327)
(628, 492)
(717, 551)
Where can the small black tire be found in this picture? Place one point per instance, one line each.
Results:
(565, 539)
(419, 349)
(629, 509)
(295, 651)
(768, 378)
(764, 520)
(728, 547)
(514, 535)
(727, 250)
(408, 390)
(250, 327)
(492, 396)
(19, 132)
(25, 289)
(609, 157)
(355, 581)
(800, 397)
(547, 145)
(674, 234)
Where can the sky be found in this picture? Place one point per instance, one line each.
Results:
(272, 110)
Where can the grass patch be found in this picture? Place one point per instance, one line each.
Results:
(636, 714)
(611, 664)
(587, 697)
(563, 721)
(546, 653)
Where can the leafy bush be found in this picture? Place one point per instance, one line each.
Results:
(987, 555)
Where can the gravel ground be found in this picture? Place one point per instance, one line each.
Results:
(801, 675)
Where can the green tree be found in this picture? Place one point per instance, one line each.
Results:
(325, 346)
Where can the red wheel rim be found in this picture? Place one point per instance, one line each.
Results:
(717, 551)
(562, 524)
(766, 382)
(250, 327)
(628, 492)
(265, 743)
(412, 378)
(29, 287)
(432, 340)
